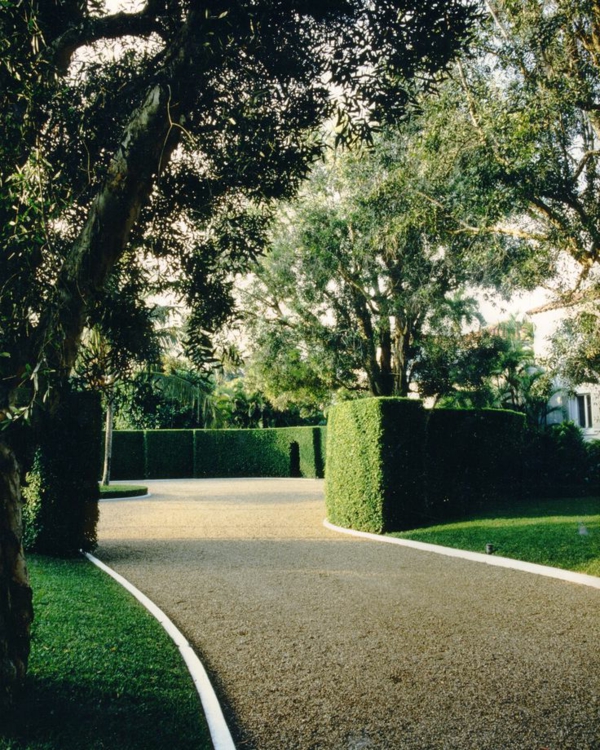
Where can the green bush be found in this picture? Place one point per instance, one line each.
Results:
(128, 455)
(60, 513)
(473, 456)
(169, 454)
(593, 462)
(558, 460)
(374, 479)
(271, 452)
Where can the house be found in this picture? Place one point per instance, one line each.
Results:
(579, 404)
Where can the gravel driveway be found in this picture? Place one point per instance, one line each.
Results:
(319, 641)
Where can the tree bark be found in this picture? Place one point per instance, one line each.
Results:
(386, 363)
(16, 612)
(402, 342)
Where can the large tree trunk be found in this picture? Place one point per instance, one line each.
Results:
(402, 343)
(16, 612)
(386, 363)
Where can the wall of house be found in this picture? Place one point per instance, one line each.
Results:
(565, 405)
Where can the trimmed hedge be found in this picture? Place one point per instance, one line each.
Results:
(375, 467)
(167, 454)
(128, 455)
(473, 456)
(392, 465)
(60, 513)
(271, 452)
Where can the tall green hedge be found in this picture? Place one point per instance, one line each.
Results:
(473, 456)
(61, 495)
(271, 452)
(169, 454)
(163, 454)
(374, 476)
(129, 455)
(393, 465)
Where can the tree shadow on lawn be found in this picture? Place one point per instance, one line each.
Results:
(540, 507)
(59, 714)
(562, 532)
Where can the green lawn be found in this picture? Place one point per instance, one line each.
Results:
(122, 490)
(103, 673)
(564, 533)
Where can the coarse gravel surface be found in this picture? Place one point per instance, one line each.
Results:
(320, 641)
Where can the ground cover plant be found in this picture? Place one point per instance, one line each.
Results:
(562, 532)
(103, 673)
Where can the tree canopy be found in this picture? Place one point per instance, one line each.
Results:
(519, 119)
(165, 133)
(504, 161)
(364, 287)
(176, 146)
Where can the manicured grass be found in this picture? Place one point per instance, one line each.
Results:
(102, 673)
(122, 490)
(562, 532)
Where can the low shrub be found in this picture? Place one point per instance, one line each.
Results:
(558, 459)
(593, 462)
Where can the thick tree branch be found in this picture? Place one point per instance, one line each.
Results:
(582, 164)
(571, 299)
(92, 29)
(146, 147)
(495, 229)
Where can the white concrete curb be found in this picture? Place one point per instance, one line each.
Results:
(219, 731)
(500, 562)
(131, 497)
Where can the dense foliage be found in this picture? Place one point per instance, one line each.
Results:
(365, 277)
(173, 148)
(501, 170)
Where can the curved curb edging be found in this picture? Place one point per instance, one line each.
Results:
(500, 562)
(219, 731)
(125, 497)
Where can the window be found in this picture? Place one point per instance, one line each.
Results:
(584, 410)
